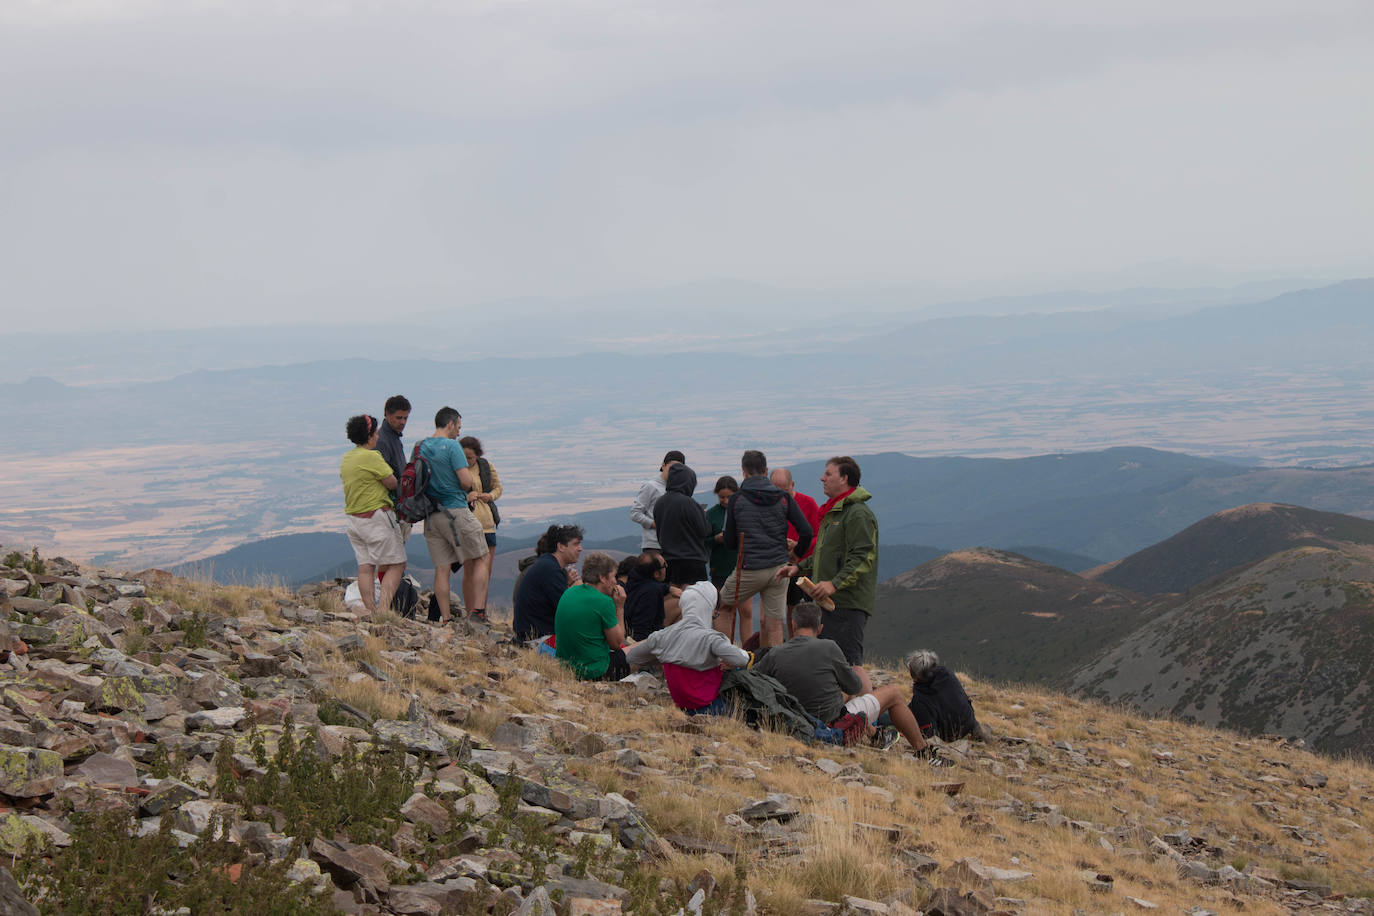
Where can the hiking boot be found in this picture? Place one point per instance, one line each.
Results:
(884, 737)
(479, 617)
(932, 757)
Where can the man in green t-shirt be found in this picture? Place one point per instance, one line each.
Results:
(589, 624)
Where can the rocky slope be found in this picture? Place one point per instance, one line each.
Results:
(1000, 614)
(1286, 646)
(1236, 537)
(262, 751)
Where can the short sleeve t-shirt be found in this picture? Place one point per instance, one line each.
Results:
(815, 672)
(362, 471)
(445, 457)
(580, 624)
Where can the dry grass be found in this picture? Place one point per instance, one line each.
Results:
(1159, 775)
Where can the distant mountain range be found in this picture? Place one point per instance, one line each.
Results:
(1105, 504)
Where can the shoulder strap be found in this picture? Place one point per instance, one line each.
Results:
(484, 474)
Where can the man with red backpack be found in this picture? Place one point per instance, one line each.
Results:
(452, 533)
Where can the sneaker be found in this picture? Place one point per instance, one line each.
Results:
(936, 761)
(884, 737)
(479, 617)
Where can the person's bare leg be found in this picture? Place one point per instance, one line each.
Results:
(724, 621)
(367, 584)
(390, 576)
(745, 612)
(476, 576)
(790, 629)
(441, 595)
(864, 678)
(892, 701)
(772, 632)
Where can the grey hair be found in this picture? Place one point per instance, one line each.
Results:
(806, 616)
(922, 663)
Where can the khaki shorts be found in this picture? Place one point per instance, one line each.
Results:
(771, 590)
(377, 540)
(454, 536)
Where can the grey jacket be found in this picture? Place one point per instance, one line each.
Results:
(642, 510)
(691, 642)
(759, 513)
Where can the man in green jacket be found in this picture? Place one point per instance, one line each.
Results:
(844, 564)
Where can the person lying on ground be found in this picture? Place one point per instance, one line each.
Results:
(693, 653)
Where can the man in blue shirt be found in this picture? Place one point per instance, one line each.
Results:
(452, 534)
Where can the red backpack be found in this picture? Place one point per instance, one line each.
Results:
(413, 502)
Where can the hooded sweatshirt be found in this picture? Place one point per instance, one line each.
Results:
(759, 513)
(680, 520)
(691, 650)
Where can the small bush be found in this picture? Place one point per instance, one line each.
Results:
(106, 872)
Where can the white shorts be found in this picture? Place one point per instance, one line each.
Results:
(867, 704)
(377, 540)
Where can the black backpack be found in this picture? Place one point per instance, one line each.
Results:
(413, 502)
(407, 598)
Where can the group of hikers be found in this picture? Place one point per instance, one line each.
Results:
(675, 606)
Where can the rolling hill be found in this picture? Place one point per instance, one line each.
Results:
(1229, 539)
(1286, 645)
(1000, 615)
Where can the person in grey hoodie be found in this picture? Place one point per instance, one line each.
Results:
(692, 653)
(756, 520)
(682, 528)
(642, 509)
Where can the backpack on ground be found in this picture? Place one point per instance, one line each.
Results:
(413, 502)
(407, 597)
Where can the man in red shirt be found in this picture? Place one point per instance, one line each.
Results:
(782, 479)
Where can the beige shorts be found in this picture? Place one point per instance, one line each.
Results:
(377, 540)
(867, 704)
(771, 590)
(454, 536)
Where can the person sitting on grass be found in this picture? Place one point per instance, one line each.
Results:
(541, 586)
(938, 700)
(816, 672)
(589, 623)
(693, 653)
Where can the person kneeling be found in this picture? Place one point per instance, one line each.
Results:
(692, 653)
(589, 623)
(815, 672)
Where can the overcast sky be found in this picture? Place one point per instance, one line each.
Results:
(187, 163)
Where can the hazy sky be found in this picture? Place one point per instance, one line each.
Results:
(186, 163)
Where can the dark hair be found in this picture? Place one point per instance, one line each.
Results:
(726, 483)
(648, 564)
(596, 566)
(673, 455)
(473, 443)
(445, 416)
(806, 616)
(848, 468)
(396, 402)
(550, 540)
(753, 463)
(360, 428)
(626, 566)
